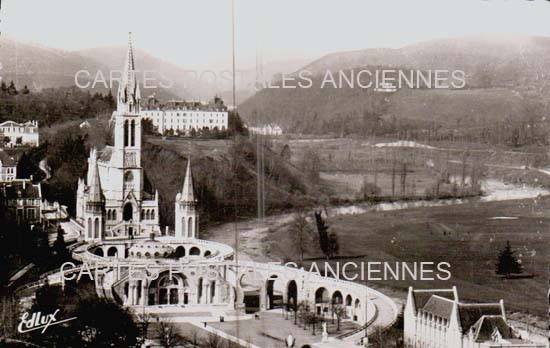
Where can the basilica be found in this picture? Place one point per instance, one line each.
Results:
(112, 201)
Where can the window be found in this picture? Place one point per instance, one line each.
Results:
(31, 213)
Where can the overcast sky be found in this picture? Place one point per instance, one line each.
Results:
(197, 33)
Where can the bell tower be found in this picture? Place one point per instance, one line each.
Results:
(127, 132)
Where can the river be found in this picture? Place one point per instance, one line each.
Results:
(251, 232)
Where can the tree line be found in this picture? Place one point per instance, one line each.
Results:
(52, 105)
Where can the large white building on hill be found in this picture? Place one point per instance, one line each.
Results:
(436, 318)
(182, 117)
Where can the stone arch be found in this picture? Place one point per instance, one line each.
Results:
(128, 212)
(349, 300)
(270, 293)
(99, 252)
(292, 294)
(109, 216)
(96, 227)
(180, 251)
(112, 252)
(322, 295)
(207, 253)
(199, 290)
(114, 214)
(337, 298)
(168, 289)
(90, 228)
(194, 251)
(322, 300)
(148, 254)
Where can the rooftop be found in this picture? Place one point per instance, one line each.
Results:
(6, 159)
(191, 105)
(21, 189)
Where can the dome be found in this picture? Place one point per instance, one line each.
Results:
(150, 249)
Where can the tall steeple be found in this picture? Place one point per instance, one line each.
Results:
(187, 194)
(186, 214)
(95, 194)
(95, 204)
(129, 95)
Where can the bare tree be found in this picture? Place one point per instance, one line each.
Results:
(168, 336)
(213, 341)
(301, 233)
(303, 309)
(144, 320)
(403, 177)
(193, 337)
(339, 311)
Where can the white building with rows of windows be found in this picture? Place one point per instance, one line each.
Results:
(182, 117)
(13, 133)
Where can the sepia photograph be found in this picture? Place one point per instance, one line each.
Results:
(275, 174)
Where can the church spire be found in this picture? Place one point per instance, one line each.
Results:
(95, 194)
(128, 90)
(187, 194)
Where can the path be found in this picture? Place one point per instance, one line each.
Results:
(223, 334)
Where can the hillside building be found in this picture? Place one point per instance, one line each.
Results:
(8, 167)
(269, 129)
(15, 134)
(181, 117)
(23, 200)
(436, 318)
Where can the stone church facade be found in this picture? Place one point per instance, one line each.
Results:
(112, 200)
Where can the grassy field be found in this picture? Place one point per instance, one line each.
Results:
(468, 236)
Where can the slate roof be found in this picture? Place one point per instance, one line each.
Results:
(421, 297)
(469, 314)
(6, 159)
(439, 306)
(18, 189)
(486, 325)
